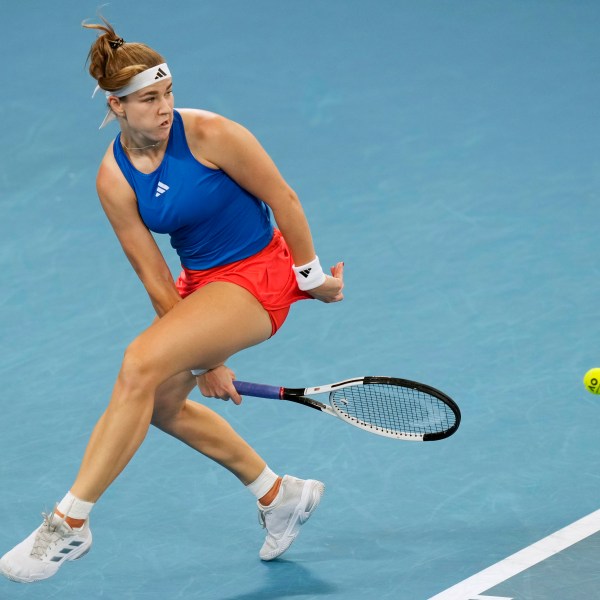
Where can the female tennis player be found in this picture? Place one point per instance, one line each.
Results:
(208, 183)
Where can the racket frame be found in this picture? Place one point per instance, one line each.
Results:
(301, 396)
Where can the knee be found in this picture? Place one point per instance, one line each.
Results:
(137, 369)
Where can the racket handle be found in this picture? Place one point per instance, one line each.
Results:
(257, 390)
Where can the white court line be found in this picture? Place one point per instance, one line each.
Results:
(522, 560)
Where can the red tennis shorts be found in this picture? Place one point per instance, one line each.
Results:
(267, 275)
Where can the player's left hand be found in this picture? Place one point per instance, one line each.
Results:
(331, 289)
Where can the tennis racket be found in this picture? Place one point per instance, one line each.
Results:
(395, 408)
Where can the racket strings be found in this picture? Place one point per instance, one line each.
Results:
(393, 409)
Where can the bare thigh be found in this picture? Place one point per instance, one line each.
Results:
(201, 331)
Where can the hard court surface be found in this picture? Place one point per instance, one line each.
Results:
(448, 152)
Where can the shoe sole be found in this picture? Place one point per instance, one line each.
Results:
(309, 500)
(76, 555)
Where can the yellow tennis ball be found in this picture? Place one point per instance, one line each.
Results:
(592, 380)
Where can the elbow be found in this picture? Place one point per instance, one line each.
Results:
(293, 199)
(289, 207)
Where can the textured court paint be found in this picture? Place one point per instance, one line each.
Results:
(448, 152)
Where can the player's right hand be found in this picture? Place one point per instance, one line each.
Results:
(218, 383)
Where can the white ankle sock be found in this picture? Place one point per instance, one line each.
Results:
(263, 483)
(73, 507)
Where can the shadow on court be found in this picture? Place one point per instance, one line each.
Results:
(287, 579)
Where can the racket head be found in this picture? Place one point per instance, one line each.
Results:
(396, 408)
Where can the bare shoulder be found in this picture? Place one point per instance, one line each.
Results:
(113, 189)
(205, 126)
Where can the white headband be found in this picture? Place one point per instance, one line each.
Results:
(136, 83)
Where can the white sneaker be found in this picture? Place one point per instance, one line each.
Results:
(41, 554)
(292, 507)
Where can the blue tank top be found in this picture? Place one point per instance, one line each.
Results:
(211, 220)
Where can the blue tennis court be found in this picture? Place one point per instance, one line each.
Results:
(448, 153)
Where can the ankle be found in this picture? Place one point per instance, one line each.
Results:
(70, 521)
(268, 498)
(263, 484)
(74, 511)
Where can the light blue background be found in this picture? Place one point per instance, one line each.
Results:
(448, 152)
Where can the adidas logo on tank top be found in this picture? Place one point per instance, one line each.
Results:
(161, 188)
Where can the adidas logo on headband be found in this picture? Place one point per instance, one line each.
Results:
(137, 82)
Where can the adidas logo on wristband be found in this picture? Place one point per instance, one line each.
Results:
(310, 275)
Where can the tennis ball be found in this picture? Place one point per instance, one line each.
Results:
(592, 380)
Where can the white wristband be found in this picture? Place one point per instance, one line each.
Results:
(310, 275)
(198, 372)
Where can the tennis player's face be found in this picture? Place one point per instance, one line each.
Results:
(150, 110)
